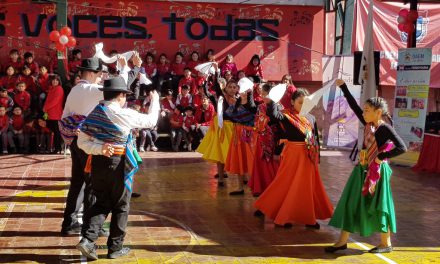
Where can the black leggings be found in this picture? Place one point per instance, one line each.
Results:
(53, 126)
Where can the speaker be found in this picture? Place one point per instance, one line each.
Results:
(357, 65)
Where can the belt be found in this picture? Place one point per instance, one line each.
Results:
(119, 151)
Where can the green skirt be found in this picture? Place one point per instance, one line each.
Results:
(368, 214)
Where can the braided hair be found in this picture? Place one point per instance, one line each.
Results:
(300, 92)
(380, 103)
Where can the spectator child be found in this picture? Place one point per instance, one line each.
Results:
(184, 99)
(4, 126)
(187, 79)
(228, 76)
(44, 136)
(28, 131)
(240, 75)
(14, 60)
(54, 109)
(189, 126)
(16, 130)
(204, 115)
(22, 98)
(254, 69)
(229, 65)
(168, 104)
(176, 122)
(150, 66)
(193, 62)
(31, 86)
(75, 62)
(33, 65)
(9, 80)
(5, 100)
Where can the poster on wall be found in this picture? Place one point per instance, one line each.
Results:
(411, 100)
(341, 125)
(168, 27)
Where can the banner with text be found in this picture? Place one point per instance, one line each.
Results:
(270, 31)
(412, 89)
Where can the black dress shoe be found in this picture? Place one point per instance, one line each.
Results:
(220, 184)
(120, 253)
(103, 233)
(333, 249)
(381, 250)
(87, 248)
(224, 176)
(237, 192)
(135, 195)
(74, 229)
(315, 226)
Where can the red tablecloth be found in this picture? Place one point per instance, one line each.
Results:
(429, 159)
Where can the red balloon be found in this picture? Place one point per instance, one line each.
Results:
(72, 42)
(60, 47)
(401, 26)
(66, 31)
(54, 36)
(413, 15)
(409, 28)
(401, 20)
(403, 12)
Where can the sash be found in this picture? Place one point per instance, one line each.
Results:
(265, 134)
(304, 125)
(368, 157)
(98, 125)
(69, 126)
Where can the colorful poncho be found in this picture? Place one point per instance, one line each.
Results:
(98, 125)
(69, 126)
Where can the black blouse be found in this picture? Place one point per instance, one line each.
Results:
(384, 132)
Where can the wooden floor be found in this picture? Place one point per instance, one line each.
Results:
(183, 217)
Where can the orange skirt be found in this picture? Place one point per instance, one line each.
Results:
(297, 194)
(240, 157)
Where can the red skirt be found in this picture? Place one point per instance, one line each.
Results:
(263, 171)
(240, 157)
(297, 194)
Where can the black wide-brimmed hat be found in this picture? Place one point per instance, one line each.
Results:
(90, 64)
(116, 84)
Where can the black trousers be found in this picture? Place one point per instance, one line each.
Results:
(79, 186)
(53, 126)
(108, 195)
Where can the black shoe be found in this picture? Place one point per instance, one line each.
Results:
(258, 213)
(224, 176)
(288, 225)
(120, 253)
(135, 195)
(72, 230)
(315, 226)
(245, 182)
(381, 250)
(237, 192)
(87, 248)
(103, 233)
(333, 249)
(220, 184)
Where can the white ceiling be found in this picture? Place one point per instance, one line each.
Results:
(263, 2)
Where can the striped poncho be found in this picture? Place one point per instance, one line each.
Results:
(98, 125)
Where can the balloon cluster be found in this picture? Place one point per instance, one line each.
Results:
(62, 38)
(406, 20)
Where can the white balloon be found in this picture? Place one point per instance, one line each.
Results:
(64, 39)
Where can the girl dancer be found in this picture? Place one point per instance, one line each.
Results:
(366, 205)
(265, 166)
(296, 195)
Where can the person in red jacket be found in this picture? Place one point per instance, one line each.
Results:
(22, 98)
(193, 62)
(204, 115)
(197, 99)
(163, 67)
(43, 84)
(75, 62)
(176, 122)
(31, 86)
(14, 60)
(54, 109)
(177, 70)
(33, 65)
(16, 130)
(4, 126)
(184, 99)
(168, 104)
(44, 136)
(254, 69)
(189, 126)
(9, 80)
(5, 100)
(187, 79)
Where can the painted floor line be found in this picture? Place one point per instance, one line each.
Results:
(377, 254)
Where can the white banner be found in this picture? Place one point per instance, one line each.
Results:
(412, 89)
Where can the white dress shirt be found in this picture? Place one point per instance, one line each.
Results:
(126, 119)
(82, 99)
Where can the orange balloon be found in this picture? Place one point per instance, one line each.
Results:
(54, 35)
(66, 31)
(72, 42)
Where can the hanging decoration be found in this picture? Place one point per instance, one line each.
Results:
(62, 38)
(406, 20)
